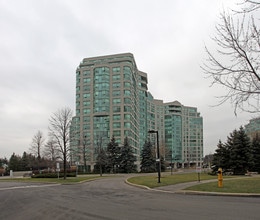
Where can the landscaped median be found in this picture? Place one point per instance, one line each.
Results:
(231, 184)
(167, 179)
(68, 180)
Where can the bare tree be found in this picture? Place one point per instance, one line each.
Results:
(51, 151)
(80, 144)
(250, 5)
(59, 129)
(84, 152)
(37, 144)
(235, 64)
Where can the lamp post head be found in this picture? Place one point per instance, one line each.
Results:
(152, 131)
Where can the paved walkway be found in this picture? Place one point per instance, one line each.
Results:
(181, 186)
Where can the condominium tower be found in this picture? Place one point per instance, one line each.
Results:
(112, 99)
(253, 127)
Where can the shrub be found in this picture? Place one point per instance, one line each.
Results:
(52, 175)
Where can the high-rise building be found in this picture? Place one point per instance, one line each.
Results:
(253, 127)
(112, 99)
(183, 134)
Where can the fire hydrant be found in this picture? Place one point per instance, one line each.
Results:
(220, 177)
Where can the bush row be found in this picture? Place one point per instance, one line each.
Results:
(52, 175)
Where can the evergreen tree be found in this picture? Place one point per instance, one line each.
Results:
(25, 162)
(14, 163)
(148, 163)
(127, 158)
(240, 152)
(113, 154)
(221, 157)
(256, 154)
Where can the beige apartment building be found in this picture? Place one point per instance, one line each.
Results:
(112, 99)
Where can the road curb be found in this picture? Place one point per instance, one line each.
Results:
(190, 192)
(136, 185)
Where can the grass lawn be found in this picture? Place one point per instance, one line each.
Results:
(166, 179)
(243, 185)
(68, 180)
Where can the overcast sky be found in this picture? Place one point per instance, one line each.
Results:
(43, 42)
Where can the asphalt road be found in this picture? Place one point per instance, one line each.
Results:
(111, 198)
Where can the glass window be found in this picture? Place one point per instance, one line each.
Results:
(116, 101)
(127, 100)
(127, 92)
(116, 93)
(127, 84)
(116, 125)
(127, 73)
(86, 111)
(127, 109)
(86, 103)
(86, 88)
(86, 95)
(116, 77)
(127, 133)
(116, 117)
(86, 119)
(86, 127)
(86, 72)
(116, 85)
(116, 109)
(127, 124)
(117, 133)
(116, 69)
(86, 80)
(127, 117)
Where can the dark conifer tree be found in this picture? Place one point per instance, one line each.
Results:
(14, 163)
(240, 152)
(148, 163)
(256, 154)
(25, 162)
(113, 154)
(127, 158)
(221, 157)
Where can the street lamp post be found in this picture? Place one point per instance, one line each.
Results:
(158, 154)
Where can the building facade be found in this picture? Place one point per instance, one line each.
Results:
(112, 99)
(253, 127)
(181, 133)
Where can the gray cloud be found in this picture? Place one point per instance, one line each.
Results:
(42, 43)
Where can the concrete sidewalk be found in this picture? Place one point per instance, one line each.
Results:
(181, 186)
